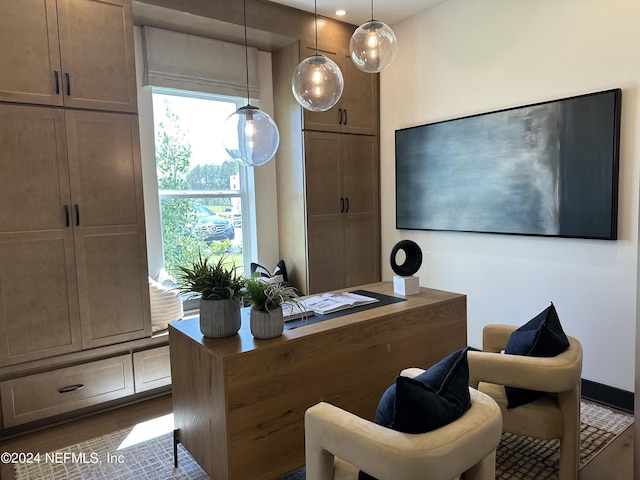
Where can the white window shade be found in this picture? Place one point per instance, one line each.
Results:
(188, 62)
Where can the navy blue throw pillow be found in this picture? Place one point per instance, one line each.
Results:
(429, 401)
(542, 336)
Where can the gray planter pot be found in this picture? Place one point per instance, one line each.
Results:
(219, 318)
(266, 324)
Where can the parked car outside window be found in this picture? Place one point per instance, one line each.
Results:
(211, 226)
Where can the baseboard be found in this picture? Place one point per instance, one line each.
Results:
(606, 395)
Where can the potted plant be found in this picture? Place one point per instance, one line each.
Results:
(266, 299)
(221, 290)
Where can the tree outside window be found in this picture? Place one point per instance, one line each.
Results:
(198, 183)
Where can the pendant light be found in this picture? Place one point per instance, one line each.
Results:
(373, 45)
(251, 136)
(317, 82)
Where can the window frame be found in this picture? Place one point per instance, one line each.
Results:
(246, 192)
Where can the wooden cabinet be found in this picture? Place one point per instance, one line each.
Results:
(39, 314)
(357, 109)
(328, 175)
(76, 53)
(107, 217)
(342, 201)
(73, 280)
(72, 243)
(151, 368)
(41, 395)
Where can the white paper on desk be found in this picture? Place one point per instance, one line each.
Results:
(334, 302)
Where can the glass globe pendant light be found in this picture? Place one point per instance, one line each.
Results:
(251, 136)
(373, 45)
(317, 82)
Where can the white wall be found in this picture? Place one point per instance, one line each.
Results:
(148, 158)
(465, 57)
(266, 198)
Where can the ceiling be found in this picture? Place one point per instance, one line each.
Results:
(387, 11)
(359, 11)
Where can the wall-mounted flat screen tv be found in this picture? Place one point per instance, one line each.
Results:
(548, 169)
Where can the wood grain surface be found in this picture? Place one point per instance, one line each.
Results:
(239, 402)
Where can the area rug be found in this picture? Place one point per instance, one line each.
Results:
(528, 458)
(120, 456)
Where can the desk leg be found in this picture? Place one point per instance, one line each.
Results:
(176, 440)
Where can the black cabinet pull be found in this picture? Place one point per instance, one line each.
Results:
(347, 203)
(66, 216)
(68, 78)
(71, 388)
(345, 117)
(77, 209)
(339, 116)
(57, 76)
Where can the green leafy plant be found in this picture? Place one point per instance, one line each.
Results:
(214, 281)
(266, 297)
(220, 247)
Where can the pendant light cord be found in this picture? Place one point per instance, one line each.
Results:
(315, 19)
(372, 17)
(246, 46)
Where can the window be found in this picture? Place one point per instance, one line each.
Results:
(201, 190)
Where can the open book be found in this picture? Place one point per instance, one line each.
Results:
(333, 302)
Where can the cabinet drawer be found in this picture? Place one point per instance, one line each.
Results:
(152, 368)
(46, 394)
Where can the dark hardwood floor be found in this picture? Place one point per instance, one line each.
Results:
(613, 463)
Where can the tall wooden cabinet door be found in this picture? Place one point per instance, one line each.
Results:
(29, 56)
(360, 99)
(323, 177)
(357, 109)
(325, 241)
(38, 299)
(361, 191)
(38, 296)
(108, 219)
(326, 254)
(361, 174)
(96, 47)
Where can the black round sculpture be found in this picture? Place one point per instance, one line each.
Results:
(413, 258)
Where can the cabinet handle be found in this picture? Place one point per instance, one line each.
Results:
(339, 116)
(77, 209)
(66, 216)
(68, 79)
(57, 76)
(71, 388)
(345, 117)
(347, 203)
(341, 204)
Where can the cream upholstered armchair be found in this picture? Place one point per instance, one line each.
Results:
(339, 443)
(555, 414)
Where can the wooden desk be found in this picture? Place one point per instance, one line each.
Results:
(239, 402)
